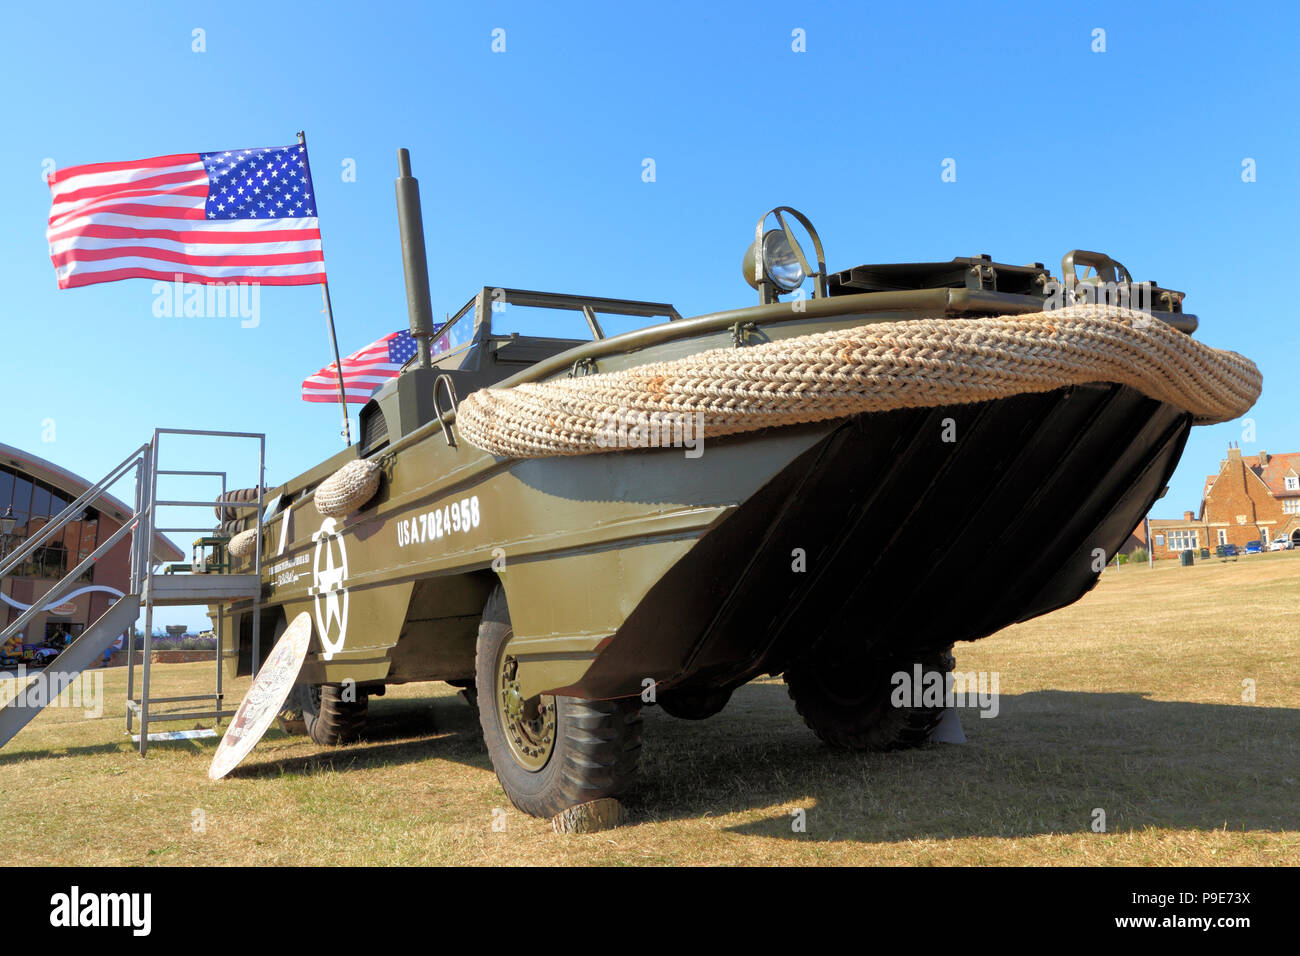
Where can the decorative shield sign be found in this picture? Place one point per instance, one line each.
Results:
(265, 697)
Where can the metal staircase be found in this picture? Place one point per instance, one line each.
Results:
(148, 588)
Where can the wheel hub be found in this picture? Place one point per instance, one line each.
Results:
(529, 725)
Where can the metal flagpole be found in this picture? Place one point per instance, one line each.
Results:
(334, 339)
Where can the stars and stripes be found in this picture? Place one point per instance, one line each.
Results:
(239, 215)
(363, 371)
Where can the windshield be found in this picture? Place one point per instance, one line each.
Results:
(449, 336)
(581, 318)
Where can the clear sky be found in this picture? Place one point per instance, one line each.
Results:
(530, 163)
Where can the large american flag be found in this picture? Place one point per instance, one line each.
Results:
(245, 214)
(363, 371)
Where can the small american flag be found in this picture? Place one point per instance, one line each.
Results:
(363, 371)
(247, 214)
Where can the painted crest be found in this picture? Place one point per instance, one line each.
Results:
(265, 697)
(328, 589)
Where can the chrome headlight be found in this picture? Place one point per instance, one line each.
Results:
(779, 262)
(775, 264)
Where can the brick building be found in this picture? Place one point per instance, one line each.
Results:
(1250, 498)
(32, 490)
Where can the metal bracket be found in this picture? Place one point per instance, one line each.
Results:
(740, 332)
(584, 366)
(446, 417)
(982, 276)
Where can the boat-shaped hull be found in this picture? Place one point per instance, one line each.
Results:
(889, 533)
(887, 541)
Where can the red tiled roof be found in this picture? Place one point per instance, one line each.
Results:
(1271, 474)
(1276, 469)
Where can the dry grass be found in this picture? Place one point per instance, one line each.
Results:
(1130, 700)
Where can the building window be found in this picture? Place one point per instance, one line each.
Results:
(34, 503)
(1182, 540)
(1160, 541)
(1223, 536)
(1292, 483)
(1263, 537)
(1291, 506)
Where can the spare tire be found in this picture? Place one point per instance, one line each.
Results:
(226, 515)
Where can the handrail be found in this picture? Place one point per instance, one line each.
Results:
(57, 592)
(142, 526)
(232, 503)
(64, 516)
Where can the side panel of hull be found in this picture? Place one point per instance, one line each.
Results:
(889, 540)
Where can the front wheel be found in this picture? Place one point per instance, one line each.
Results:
(853, 704)
(549, 753)
(332, 714)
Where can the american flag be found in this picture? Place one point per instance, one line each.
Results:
(363, 371)
(246, 214)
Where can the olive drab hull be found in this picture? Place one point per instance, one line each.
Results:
(705, 567)
(834, 508)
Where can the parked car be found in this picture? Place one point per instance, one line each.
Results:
(1254, 547)
(1226, 551)
(1281, 544)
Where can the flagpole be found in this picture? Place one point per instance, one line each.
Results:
(334, 339)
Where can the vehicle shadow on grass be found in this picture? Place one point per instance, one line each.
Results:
(1043, 765)
(22, 756)
(401, 731)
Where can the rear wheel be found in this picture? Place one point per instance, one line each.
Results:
(549, 753)
(330, 718)
(850, 703)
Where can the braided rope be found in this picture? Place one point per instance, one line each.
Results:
(347, 489)
(242, 544)
(919, 363)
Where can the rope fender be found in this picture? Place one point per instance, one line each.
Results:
(347, 489)
(920, 363)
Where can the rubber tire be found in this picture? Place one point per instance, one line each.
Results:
(694, 704)
(335, 721)
(598, 742)
(870, 722)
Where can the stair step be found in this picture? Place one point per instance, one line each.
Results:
(75, 658)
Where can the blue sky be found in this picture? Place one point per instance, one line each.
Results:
(530, 164)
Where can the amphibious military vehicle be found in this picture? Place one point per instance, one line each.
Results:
(568, 591)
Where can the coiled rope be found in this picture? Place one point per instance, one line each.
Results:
(919, 363)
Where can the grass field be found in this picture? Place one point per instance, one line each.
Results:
(1129, 701)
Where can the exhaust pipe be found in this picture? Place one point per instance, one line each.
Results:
(414, 264)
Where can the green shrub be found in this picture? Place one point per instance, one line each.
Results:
(1139, 556)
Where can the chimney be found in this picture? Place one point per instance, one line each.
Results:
(1263, 458)
(1234, 452)
(1188, 516)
